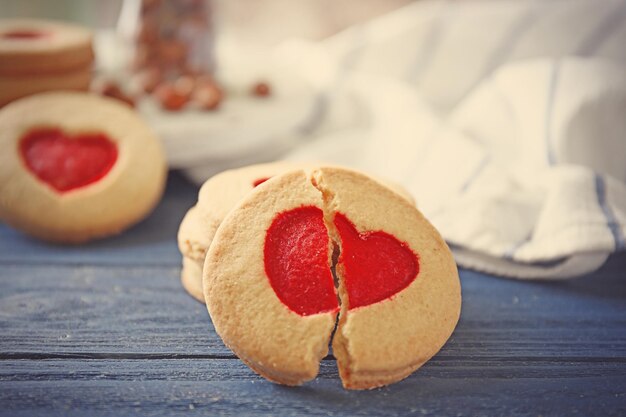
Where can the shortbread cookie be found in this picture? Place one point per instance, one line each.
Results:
(191, 278)
(29, 46)
(76, 166)
(269, 290)
(217, 197)
(13, 87)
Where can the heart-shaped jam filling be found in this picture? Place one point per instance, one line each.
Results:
(66, 162)
(296, 261)
(23, 34)
(374, 265)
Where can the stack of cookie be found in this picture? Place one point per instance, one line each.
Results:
(216, 199)
(40, 55)
(302, 256)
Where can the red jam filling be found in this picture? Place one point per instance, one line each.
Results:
(259, 181)
(296, 261)
(24, 34)
(375, 265)
(66, 162)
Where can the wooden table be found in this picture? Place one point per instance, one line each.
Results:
(106, 329)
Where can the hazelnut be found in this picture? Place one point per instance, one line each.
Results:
(185, 85)
(261, 89)
(148, 79)
(169, 97)
(208, 96)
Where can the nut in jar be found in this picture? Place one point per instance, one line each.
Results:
(172, 47)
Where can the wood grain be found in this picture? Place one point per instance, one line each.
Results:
(219, 387)
(132, 309)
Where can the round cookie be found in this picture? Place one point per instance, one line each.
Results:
(217, 197)
(30, 46)
(76, 166)
(17, 86)
(267, 277)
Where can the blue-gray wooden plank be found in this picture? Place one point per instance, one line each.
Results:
(424, 394)
(106, 329)
(137, 309)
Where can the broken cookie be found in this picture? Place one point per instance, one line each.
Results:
(270, 290)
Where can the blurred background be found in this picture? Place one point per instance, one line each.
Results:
(256, 20)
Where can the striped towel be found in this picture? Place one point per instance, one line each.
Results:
(506, 120)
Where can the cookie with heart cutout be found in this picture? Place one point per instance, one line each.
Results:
(76, 166)
(267, 276)
(217, 197)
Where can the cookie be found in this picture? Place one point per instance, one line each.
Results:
(270, 292)
(14, 87)
(30, 46)
(41, 55)
(216, 198)
(76, 166)
(191, 278)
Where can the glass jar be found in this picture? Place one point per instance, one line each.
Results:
(169, 38)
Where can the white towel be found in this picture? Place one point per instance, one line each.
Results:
(506, 120)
